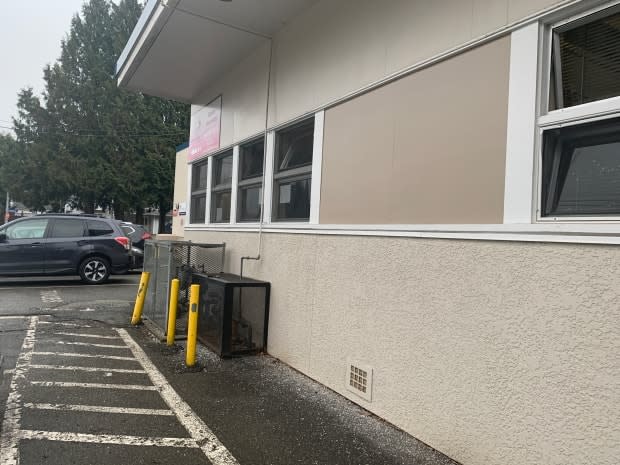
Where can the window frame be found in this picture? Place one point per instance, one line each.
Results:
(569, 116)
(250, 182)
(221, 188)
(196, 193)
(297, 173)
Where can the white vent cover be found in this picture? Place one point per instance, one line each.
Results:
(358, 379)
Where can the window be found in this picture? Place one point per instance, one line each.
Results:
(99, 228)
(585, 61)
(222, 188)
(67, 228)
(198, 202)
(580, 169)
(293, 172)
(30, 229)
(251, 160)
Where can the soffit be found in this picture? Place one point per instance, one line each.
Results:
(180, 46)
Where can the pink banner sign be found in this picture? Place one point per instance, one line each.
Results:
(204, 134)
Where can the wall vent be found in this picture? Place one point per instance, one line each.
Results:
(358, 379)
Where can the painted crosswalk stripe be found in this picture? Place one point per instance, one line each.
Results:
(107, 439)
(94, 336)
(73, 354)
(99, 409)
(9, 440)
(90, 369)
(210, 445)
(122, 387)
(90, 344)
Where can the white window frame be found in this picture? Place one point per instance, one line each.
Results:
(268, 180)
(210, 179)
(570, 116)
(190, 177)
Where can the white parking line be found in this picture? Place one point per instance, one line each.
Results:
(12, 317)
(125, 387)
(100, 409)
(51, 297)
(73, 325)
(73, 354)
(210, 445)
(9, 440)
(94, 336)
(90, 344)
(90, 369)
(107, 439)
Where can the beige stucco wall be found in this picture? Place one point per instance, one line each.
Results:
(495, 353)
(335, 48)
(180, 191)
(422, 149)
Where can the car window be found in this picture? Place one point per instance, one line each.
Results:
(99, 228)
(29, 229)
(128, 230)
(67, 227)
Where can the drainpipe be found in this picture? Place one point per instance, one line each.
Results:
(262, 203)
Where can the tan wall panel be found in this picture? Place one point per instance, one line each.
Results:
(429, 148)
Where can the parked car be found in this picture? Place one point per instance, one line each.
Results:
(56, 244)
(138, 234)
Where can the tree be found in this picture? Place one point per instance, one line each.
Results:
(89, 139)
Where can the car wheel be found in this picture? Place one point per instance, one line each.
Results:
(94, 270)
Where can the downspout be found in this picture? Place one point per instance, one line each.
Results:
(262, 203)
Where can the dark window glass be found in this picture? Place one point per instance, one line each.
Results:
(294, 146)
(30, 229)
(250, 203)
(220, 207)
(293, 199)
(585, 62)
(68, 228)
(98, 228)
(252, 156)
(197, 208)
(222, 170)
(199, 176)
(581, 170)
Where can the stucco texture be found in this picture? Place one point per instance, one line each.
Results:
(492, 352)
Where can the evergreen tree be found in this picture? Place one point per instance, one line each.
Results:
(90, 140)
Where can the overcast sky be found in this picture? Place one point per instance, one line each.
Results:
(30, 35)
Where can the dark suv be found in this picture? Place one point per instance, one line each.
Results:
(83, 245)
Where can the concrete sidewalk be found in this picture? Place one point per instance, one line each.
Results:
(266, 413)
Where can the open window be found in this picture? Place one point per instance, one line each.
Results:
(250, 187)
(580, 166)
(293, 172)
(222, 187)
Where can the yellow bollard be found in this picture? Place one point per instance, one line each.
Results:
(192, 325)
(172, 311)
(137, 309)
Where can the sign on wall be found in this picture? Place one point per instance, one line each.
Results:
(204, 133)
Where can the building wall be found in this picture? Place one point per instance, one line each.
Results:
(421, 149)
(180, 191)
(336, 48)
(492, 352)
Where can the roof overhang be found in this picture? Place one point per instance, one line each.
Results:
(178, 47)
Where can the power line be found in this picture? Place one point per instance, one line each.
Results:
(101, 134)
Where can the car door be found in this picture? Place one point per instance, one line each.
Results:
(65, 245)
(22, 251)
